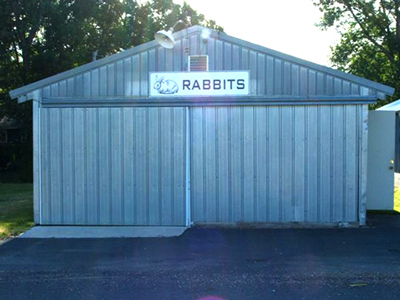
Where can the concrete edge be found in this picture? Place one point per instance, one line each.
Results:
(6, 240)
(272, 225)
(44, 232)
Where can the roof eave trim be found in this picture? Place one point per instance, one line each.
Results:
(81, 69)
(22, 91)
(95, 64)
(25, 97)
(356, 79)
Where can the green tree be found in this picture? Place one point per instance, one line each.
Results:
(370, 38)
(40, 38)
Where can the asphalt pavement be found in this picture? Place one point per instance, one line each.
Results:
(212, 264)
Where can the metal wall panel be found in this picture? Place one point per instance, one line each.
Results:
(251, 164)
(113, 166)
(275, 164)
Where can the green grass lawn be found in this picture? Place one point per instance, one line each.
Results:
(16, 208)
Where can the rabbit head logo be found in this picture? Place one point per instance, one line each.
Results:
(165, 86)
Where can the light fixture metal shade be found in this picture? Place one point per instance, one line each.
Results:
(165, 39)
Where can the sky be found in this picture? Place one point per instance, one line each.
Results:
(287, 26)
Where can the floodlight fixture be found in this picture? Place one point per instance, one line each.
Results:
(165, 38)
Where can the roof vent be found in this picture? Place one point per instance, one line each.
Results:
(198, 63)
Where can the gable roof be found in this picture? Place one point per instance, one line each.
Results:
(350, 84)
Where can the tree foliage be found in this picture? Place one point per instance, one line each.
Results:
(40, 38)
(370, 38)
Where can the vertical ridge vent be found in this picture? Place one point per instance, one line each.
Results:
(198, 63)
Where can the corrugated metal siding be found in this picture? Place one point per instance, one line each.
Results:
(275, 164)
(269, 75)
(127, 77)
(126, 166)
(117, 166)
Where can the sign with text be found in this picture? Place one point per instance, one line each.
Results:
(198, 84)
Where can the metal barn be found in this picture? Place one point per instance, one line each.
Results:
(264, 137)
